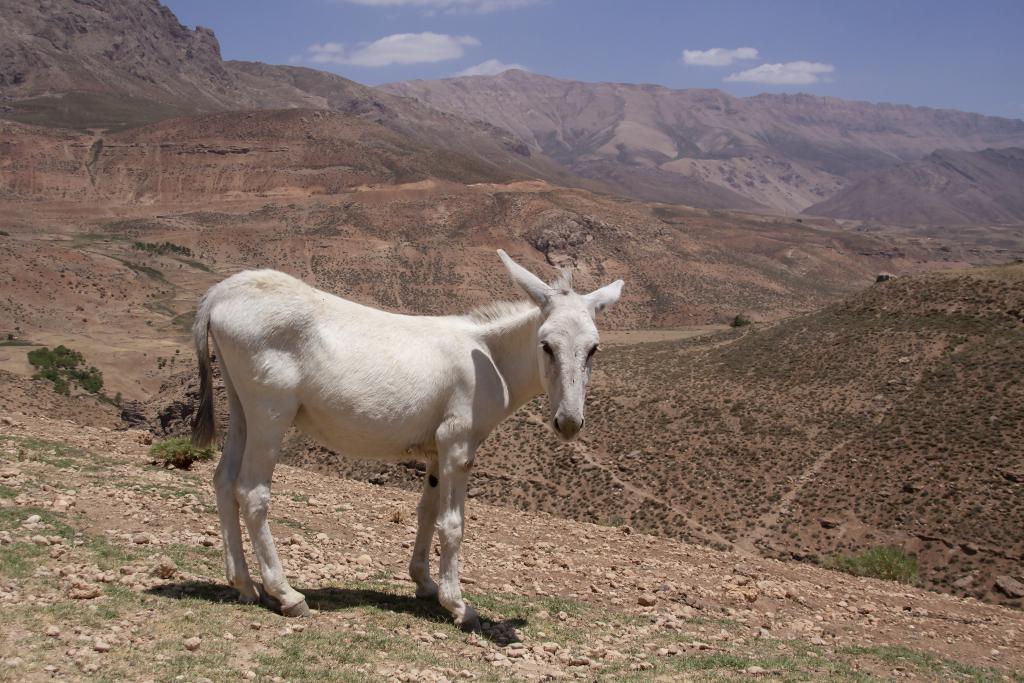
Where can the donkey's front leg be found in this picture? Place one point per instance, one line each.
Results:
(455, 462)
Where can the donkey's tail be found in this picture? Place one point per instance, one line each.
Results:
(203, 427)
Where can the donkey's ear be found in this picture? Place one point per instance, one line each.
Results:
(602, 298)
(534, 287)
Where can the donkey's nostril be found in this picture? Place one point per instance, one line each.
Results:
(558, 426)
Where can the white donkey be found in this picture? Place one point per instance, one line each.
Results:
(380, 385)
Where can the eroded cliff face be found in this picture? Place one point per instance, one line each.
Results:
(136, 48)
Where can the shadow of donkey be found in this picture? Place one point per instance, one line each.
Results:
(334, 599)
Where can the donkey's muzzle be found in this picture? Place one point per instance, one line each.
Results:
(568, 427)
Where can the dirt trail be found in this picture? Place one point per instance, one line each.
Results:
(748, 543)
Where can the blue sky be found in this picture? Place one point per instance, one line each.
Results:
(939, 53)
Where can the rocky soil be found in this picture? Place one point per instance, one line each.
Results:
(112, 569)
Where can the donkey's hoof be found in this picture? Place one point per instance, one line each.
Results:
(299, 609)
(469, 621)
(427, 591)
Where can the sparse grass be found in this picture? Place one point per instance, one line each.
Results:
(928, 665)
(289, 522)
(886, 562)
(184, 321)
(18, 560)
(312, 656)
(54, 454)
(108, 555)
(198, 265)
(179, 452)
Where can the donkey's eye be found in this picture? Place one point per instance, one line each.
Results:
(547, 348)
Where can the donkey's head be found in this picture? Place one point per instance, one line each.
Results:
(566, 341)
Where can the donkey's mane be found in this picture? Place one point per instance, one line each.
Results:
(503, 310)
(563, 283)
(498, 311)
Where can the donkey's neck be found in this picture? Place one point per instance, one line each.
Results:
(512, 341)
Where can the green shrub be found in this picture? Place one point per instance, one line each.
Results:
(64, 367)
(885, 562)
(163, 248)
(180, 452)
(741, 321)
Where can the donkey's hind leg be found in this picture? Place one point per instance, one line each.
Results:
(426, 518)
(267, 421)
(227, 504)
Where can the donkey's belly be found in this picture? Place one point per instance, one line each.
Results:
(375, 440)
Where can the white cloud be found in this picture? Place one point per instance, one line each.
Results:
(400, 48)
(492, 67)
(718, 56)
(450, 6)
(790, 73)
(325, 53)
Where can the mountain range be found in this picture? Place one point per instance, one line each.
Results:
(706, 147)
(119, 64)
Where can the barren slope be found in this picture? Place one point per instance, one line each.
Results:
(112, 570)
(945, 188)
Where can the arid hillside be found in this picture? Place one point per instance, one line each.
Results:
(119, 279)
(262, 153)
(705, 147)
(361, 210)
(126, 63)
(112, 569)
(945, 188)
(891, 419)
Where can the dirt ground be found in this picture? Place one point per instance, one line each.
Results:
(112, 570)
